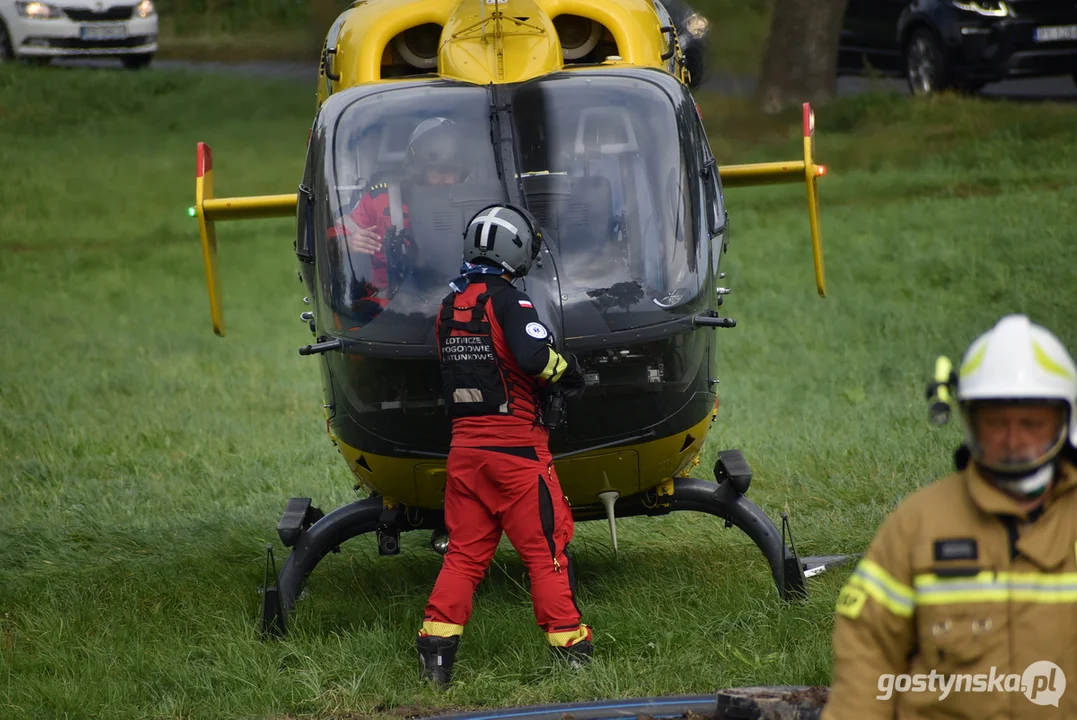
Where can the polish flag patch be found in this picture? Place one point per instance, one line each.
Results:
(525, 303)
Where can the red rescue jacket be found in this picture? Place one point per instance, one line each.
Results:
(373, 211)
(495, 359)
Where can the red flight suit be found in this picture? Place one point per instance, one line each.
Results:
(372, 211)
(496, 356)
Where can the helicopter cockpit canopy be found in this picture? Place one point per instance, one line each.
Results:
(605, 160)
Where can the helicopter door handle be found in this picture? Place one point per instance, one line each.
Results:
(672, 33)
(711, 319)
(321, 347)
(329, 74)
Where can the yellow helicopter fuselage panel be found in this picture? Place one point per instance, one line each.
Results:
(517, 44)
(628, 470)
(485, 41)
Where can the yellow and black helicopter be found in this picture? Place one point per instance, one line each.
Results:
(581, 111)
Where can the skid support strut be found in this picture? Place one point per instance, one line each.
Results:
(312, 535)
(725, 498)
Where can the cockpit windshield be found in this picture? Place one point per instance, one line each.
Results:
(407, 168)
(604, 171)
(599, 160)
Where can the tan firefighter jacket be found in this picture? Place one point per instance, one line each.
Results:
(959, 583)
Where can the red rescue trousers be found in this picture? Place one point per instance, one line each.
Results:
(515, 490)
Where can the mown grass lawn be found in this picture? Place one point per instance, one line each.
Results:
(144, 462)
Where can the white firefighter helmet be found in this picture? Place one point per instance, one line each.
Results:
(1019, 361)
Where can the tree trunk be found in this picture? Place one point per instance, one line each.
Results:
(801, 60)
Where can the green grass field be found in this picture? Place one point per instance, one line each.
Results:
(144, 462)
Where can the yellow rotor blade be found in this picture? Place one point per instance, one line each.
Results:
(208, 210)
(203, 190)
(775, 173)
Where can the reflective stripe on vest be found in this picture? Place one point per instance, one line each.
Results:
(991, 586)
(987, 586)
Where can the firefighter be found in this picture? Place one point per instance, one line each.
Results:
(965, 604)
(435, 155)
(496, 358)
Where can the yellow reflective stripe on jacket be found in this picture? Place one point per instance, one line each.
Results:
(883, 588)
(555, 366)
(989, 586)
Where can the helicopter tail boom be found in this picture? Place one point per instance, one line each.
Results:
(208, 210)
(793, 171)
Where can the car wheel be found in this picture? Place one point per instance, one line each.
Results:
(925, 65)
(136, 62)
(6, 53)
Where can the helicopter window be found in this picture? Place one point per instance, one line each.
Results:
(606, 162)
(304, 235)
(713, 221)
(715, 214)
(605, 172)
(393, 233)
(714, 202)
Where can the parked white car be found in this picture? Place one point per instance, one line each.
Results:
(39, 31)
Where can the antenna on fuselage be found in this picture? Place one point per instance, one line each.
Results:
(608, 498)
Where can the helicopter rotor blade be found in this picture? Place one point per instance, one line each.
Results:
(812, 173)
(208, 210)
(203, 190)
(793, 171)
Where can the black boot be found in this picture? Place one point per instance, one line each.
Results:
(436, 656)
(576, 655)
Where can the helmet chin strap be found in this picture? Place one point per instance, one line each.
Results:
(1029, 485)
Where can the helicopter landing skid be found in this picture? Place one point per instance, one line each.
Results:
(726, 499)
(312, 535)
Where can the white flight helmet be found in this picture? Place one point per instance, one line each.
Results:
(1019, 361)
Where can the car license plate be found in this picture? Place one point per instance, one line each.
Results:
(1056, 33)
(104, 32)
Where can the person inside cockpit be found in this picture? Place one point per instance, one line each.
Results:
(436, 155)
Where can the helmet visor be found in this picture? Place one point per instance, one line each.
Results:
(1016, 436)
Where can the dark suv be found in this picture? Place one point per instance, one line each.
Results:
(959, 44)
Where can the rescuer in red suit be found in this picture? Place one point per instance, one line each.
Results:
(496, 360)
(435, 156)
